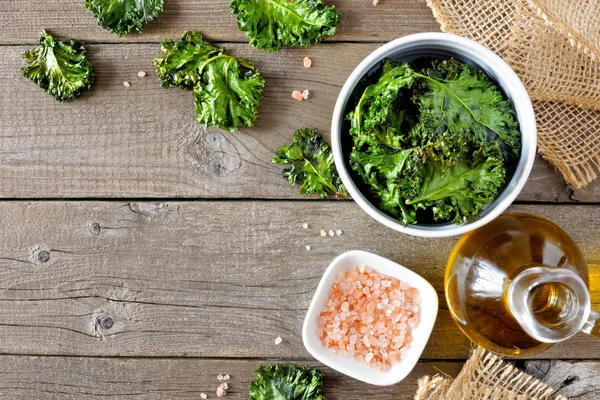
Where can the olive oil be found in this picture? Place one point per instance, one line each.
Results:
(485, 262)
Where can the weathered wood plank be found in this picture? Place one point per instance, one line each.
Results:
(572, 380)
(210, 279)
(143, 141)
(21, 20)
(89, 378)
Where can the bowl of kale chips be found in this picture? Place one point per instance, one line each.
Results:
(433, 135)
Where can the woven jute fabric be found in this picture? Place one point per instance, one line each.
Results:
(554, 47)
(485, 376)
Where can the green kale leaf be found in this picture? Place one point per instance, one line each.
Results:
(184, 59)
(287, 382)
(458, 188)
(311, 165)
(59, 68)
(227, 90)
(271, 24)
(380, 117)
(230, 94)
(124, 16)
(460, 98)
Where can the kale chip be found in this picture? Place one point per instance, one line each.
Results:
(271, 24)
(124, 16)
(59, 68)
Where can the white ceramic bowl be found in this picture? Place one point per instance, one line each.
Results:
(420, 45)
(347, 365)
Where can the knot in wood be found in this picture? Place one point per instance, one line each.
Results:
(216, 153)
(40, 255)
(43, 256)
(94, 228)
(105, 321)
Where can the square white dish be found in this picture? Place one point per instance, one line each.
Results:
(347, 365)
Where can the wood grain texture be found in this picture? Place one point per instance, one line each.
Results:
(208, 279)
(143, 141)
(21, 20)
(94, 378)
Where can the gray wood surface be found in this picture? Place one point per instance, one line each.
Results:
(94, 378)
(208, 279)
(143, 141)
(22, 20)
(134, 299)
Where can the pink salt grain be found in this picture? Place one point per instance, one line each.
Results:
(296, 94)
(369, 317)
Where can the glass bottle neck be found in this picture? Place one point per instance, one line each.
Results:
(551, 304)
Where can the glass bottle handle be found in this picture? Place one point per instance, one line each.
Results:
(592, 325)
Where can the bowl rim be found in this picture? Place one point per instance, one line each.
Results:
(349, 366)
(521, 102)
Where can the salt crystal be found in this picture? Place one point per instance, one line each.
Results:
(323, 232)
(220, 377)
(308, 248)
(141, 74)
(305, 225)
(203, 396)
(126, 84)
(338, 232)
(296, 94)
(224, 385)
(278, 340)
(305, 94)
(331, 233)
(226, 377)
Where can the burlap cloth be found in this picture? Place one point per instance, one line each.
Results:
(485, 376)
(554, 46)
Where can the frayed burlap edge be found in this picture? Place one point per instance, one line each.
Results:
(485, 376)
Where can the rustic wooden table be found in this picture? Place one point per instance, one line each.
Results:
(141, 254)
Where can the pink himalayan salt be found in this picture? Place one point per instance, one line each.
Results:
(369, 317)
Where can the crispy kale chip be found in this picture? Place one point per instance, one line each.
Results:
(59, 68)
(184, 59)
(461, 98)
(227, 90)
(311, 165)
(230, 94)
(124, 16)
(433, 145)
(271, 24)
(287, 382)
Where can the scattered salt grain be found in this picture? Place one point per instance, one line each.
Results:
(278, 340)
(331, 233)
(226, 377)
(220, 377)
(203, 396)
(296, 94)
(338, 232)
(305, 225)
(323, 232)
(141, 74)
(224, 385)
(305, 94)
(126, 84)
(221, 392)
(308, 248)
(307, 62)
